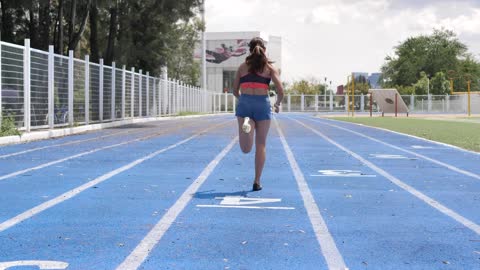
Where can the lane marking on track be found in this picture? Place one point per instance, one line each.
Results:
(327, 245)
(132, 132)
(242, 202)
(245, 207)
(430, 201)
(62, 144)
(443, 164)
(424, 147)
(390, 156)
(48, 164)
(141, 252)
(74, 192)
(341, 173)
(46, 265)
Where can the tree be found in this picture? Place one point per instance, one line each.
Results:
(146, 34)
(310, 86)
(439, 84)
(182, 65)
(362, 85)
(421, 86)
(440, 51)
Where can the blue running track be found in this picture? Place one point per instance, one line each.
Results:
(176, 194)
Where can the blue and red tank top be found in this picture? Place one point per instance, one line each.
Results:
(252, 80)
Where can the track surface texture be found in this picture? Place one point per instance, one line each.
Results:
(177, 194)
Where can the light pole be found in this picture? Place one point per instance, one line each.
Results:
(428, 86)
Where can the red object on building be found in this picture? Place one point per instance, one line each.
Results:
(340, 89)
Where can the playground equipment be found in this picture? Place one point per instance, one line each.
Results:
(388, 101)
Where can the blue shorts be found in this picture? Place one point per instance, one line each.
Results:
(257, 107)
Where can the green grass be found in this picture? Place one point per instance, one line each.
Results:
(462, 134)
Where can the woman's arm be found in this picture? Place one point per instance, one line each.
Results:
(236, 84)
(278, 84)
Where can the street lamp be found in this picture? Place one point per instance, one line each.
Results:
(428, 86)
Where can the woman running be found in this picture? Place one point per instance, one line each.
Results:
(253, 112)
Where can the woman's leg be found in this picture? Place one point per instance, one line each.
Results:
(246, 139)
(261, 131)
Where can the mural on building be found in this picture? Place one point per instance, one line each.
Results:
(221, 54)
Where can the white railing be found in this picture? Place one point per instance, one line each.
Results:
(452, 104)
(45, 90)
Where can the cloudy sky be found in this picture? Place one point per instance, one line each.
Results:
(334, 37)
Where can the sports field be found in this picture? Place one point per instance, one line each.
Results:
(462, 132)
(176, 194)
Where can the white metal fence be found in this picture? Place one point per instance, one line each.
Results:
(45, 90)
(454, 104)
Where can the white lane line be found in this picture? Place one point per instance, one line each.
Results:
(244, 207)
(48, 164)
(440, 163)
(72, 193)
(327, 245)
(67, 143)
(141, 252)
(430, 201)
(132, 132)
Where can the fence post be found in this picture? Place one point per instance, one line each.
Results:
(114, 94)
(100, 113)
(156, 108)
(70, 87)
(1, 113)
(429, 107)
(140, 93)
(164, 74)
(362, 103)
(447, 97)
(26, 86)
(148, 93)
(226, 102)
(316, 103)
(170, 102)
(412, 103)
(347, 105)
(123, 91)
(289, 102)
(302, 102)
(331, 101)
(132, 93)
(87, 89)
(51, 78)
(160, 97)
(234, 100)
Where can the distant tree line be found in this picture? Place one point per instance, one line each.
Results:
(146, 34)
(427, 62)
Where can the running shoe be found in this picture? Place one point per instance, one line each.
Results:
(246, 125)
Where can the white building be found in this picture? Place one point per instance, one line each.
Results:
(227, 50)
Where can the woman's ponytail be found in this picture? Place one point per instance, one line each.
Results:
(257, 60)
